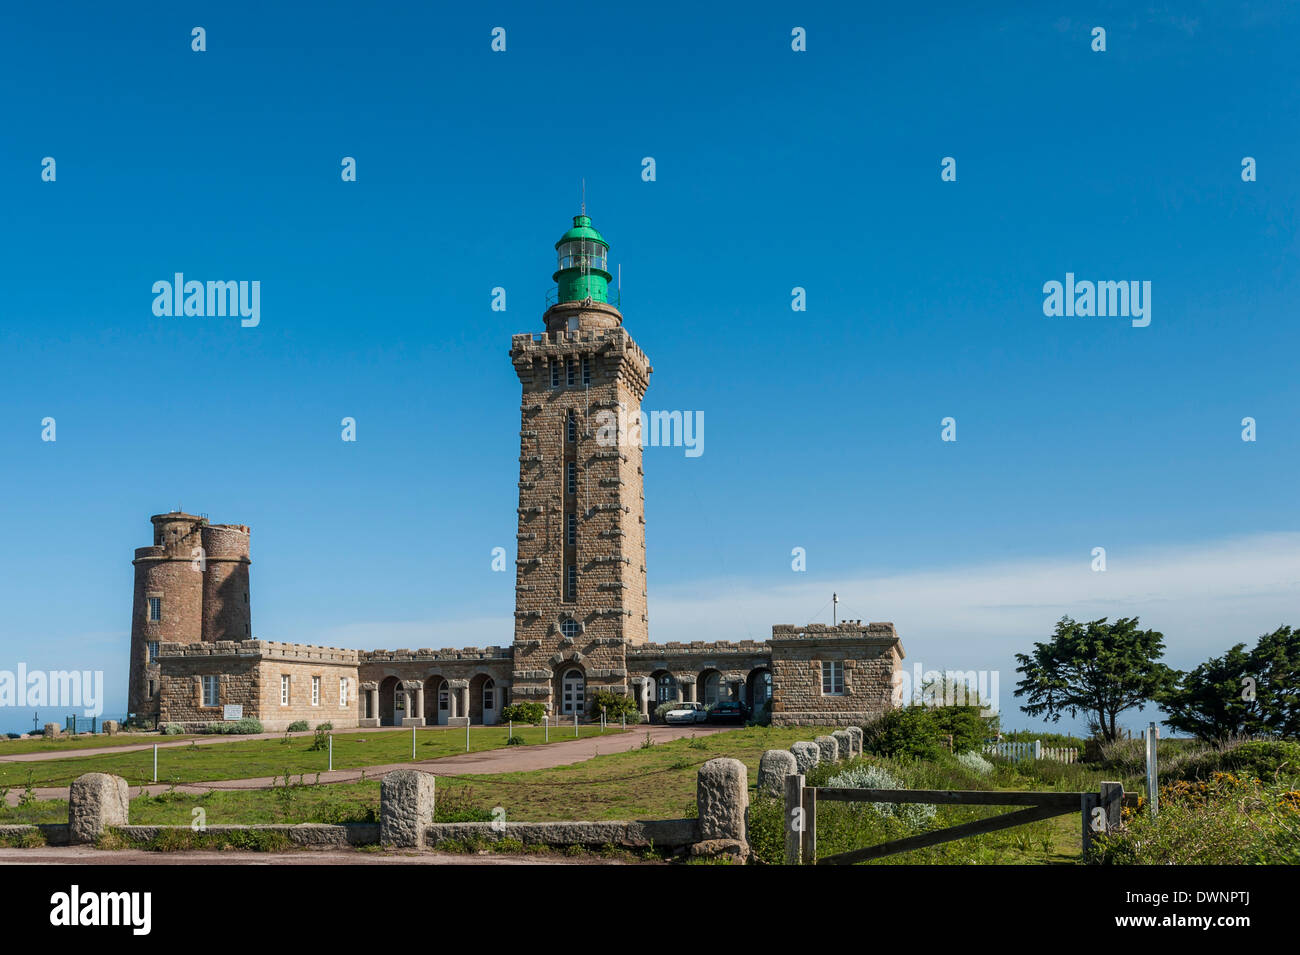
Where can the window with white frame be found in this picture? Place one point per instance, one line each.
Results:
(209, 691)
(155, 608)
(284, 689)
(315, 691)
(343, 691)
(832, 678)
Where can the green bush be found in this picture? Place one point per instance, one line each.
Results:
(921, 732)
(516, 741)
(663, 708)
(523, 713)
(172, 729)
(1263, 759)
(1227, 821)
(297, 726)
(247, 726)
(615, 706)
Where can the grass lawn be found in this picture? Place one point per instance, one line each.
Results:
(658, 782)
(276, 757)
(653, 783)
(14, 747)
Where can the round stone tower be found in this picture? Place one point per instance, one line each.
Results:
(191, 585)
(226, 610)
(168, 603)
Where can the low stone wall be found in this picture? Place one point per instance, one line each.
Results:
(305, 834)
(98, 802)
(671, 834)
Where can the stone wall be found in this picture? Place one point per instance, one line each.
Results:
(249, 675)
(870, 655)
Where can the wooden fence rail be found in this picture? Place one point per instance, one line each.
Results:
(1098, 811)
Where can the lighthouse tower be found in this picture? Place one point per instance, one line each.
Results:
(580, 592)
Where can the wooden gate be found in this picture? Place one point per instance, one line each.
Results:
(1098, 812)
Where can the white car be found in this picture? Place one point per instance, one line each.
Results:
(686, 713)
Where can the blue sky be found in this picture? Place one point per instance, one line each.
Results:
(775, 169)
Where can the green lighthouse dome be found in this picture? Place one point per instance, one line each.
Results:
(582, 257)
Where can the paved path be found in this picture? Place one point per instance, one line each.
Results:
(168, 742)
(506, 759)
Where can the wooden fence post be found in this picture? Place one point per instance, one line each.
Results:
(809, 847)
(1088, 802)
(793, 817)
(1112, 800)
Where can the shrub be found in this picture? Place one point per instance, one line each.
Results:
(523, 713)
(327, 727)
(663, 708)
(1228, 820)
(614, 705)
(172, 729)
(975, 763)
(247, 726)
(322, 738)
(516, 741)
(1263, 759)
(866, 776)
(297, 726)
(911, 732)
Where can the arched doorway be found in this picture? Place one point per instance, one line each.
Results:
(759, 689)
(485, 700)
(437, 701)
(709, 688)
(391, 702)
(573, 692)
(666, 688)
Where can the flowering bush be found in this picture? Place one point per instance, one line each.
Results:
(917, 815)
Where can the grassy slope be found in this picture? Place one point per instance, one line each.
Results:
(274, 757)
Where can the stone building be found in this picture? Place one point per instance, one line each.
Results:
(581, 614)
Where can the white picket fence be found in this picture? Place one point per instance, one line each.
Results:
(1032, 750)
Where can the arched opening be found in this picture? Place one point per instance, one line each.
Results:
(392, 702)
(573, 692)
(758, 689)
(437, 701)
(666, 688)
(485, 700)
(709, 688)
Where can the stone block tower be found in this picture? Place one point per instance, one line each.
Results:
(580, 594)
(191, 586)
